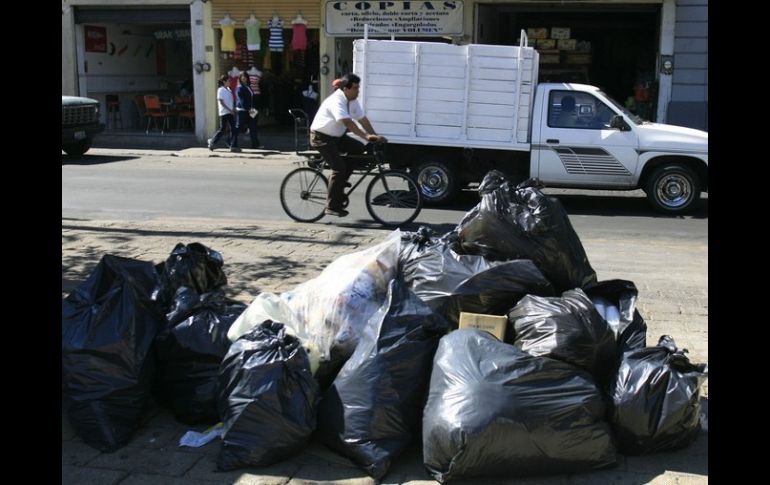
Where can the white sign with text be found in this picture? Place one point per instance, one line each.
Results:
(399, 18)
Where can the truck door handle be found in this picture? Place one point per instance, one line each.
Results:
(553, 141)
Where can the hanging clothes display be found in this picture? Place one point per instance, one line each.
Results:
(299, 33)
(254, 76)
(275, 43)
(266, 61)
(253, 40)
(228, 34)
(235, 75)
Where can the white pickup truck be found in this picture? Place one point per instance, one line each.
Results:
(453, 112)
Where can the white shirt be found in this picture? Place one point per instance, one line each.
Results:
(227, 97)
(334, 109)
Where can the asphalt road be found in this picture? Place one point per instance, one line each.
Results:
(144, 184)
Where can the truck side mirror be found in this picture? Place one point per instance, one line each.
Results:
(618, 122)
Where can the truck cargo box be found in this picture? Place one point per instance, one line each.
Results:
(429, 93)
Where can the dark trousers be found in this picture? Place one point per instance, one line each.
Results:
(330, 148)
(246, 121)
(229, 120)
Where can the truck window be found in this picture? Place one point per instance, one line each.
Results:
(571, 109)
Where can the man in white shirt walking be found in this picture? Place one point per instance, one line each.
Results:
(337, 115)
(226, 115)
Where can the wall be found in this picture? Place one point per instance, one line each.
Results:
(689, 97)
(69, 71)
(134, 63)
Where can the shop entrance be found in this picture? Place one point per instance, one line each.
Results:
(138, 64)
(611, 46)
(286, 78)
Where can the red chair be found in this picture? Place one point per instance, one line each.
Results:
(185, 110)
(153, 111)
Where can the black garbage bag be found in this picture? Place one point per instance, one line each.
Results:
(617, 298)
(432, 269)
(268, 398)
(494, 290)
(108, 326)
(523, 223)
(190, 348)
(566, 328)
(451, 283)
(656, 399)
(495, 410)
(413, 246)
(193, 265)
(371, 410)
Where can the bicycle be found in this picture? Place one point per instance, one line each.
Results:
(392, 197)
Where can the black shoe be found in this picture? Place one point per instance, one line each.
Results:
(336, 212)
(235, 149)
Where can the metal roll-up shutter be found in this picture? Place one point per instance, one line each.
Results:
(139, 15)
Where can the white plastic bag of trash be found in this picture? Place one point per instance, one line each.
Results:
(194, 439)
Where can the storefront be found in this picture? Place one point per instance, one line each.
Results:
(130, 57)
(277, 44)
(650, 54)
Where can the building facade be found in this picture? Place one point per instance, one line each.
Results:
(651, 55)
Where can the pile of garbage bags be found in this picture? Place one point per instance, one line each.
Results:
(368, 356)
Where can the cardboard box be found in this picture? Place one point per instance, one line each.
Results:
(549, 59)
(583, 46)
(566, 44)
(574, 58)
(537, 33)
(494, 324)
(546, 44)
(560, 32)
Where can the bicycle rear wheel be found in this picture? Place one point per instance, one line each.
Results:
(303, 194)
(393, 198)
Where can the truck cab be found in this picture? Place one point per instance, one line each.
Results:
(453, 112)
(582, 138)
(79, 124)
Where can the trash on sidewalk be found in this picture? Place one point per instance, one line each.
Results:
(368, 334)
(494, 410)
(451, 283)
(267, 398)
(615, 300)
(656, 399)
(190, 347)
(108, 326)
(193, 265)
(194, 439)
(372, 409)
(523, 223)
(567, 328)
(329, 311)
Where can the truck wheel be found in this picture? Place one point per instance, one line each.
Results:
(673, 188)
(437, 182)
(77, 149)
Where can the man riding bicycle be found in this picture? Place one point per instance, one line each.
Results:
(334, 118)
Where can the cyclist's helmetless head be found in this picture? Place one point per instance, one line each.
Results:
(352, 92)
(350, 85)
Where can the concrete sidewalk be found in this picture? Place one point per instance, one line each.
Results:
(671, 276)
(273, 137)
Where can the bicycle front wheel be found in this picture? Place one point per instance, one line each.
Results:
(303, 194)
(393, 198)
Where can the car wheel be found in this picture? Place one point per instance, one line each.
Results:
(437, 182)
(78, 148)
(673, 188)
